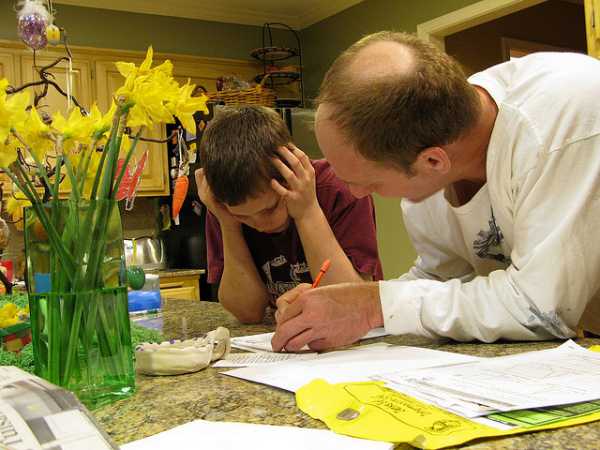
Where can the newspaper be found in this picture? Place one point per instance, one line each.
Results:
(35, 414)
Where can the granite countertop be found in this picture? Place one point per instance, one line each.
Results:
(179, 272)
(161, 403)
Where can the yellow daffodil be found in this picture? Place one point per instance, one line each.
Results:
(125, 144)
(77, 162)
(12, 110)
(8, 151)
(183, 105)
(14, 207)
(155, 94)
(102, 123)
(37, 135)
(77, 128)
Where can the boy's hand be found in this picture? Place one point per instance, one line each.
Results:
(209, 200)
(300, 194)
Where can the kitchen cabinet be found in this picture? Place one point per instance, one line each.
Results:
(8, 70)
(95, 79)
(80, 86)
(180, 284)
(592, 25)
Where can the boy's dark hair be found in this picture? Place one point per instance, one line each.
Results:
(236, 151)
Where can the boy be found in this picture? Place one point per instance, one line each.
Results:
(275, 215)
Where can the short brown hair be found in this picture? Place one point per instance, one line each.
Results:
(236, 151)
(393, 117)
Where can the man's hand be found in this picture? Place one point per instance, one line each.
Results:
(209, 200)
(327, 317)
(300, 194)
(289, 297)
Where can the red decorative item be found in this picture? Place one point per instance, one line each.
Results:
(130, 180)
(8, 264)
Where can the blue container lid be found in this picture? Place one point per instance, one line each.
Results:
(143, 300)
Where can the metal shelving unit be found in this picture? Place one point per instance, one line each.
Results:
(269, 53)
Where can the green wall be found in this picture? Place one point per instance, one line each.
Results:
(323, 41)
(121, 30)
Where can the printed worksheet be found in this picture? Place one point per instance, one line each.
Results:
(259, 358)
(559, 376)
(262, 342)
(356, 364)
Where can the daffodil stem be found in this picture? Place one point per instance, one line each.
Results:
(86, 165)
(71, 175)
(23, 182)
(100, 170)
(41, 168)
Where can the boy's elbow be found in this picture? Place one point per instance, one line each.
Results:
(244, 316)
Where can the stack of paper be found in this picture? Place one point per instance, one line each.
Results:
(235, 436)
(356, 364)
(564, 375)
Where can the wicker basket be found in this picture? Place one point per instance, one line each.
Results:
(257, 95)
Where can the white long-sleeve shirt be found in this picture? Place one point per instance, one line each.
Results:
(521, 259)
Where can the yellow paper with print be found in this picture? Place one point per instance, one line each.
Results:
(369, 410)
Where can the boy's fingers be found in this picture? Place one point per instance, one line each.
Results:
(291, 159)
(278, 188)
(302, 157)
(199, 175)
(285, 171)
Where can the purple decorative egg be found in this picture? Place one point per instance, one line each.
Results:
(32, 30)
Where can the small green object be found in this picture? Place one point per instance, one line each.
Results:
(136, 277)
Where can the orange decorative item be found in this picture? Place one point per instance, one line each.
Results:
(182, 184)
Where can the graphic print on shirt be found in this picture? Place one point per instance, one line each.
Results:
(489, 243)
(298, 273)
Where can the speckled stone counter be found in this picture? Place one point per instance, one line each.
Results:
(161, 403)
(179, 272)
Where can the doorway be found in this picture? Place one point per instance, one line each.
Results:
(490, 31)
(554, 25)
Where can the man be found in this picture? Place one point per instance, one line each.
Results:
(276, 216)
(499, 176)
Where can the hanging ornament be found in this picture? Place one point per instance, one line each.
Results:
(32, 20)
(53, 34)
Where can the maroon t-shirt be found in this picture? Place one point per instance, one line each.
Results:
(279, 257)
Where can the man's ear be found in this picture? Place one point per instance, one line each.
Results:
(433, 160)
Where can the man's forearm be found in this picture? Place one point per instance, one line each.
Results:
(241, 290)
(319, 244)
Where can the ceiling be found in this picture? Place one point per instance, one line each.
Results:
(295, 13)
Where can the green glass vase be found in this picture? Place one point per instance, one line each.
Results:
(78, 299)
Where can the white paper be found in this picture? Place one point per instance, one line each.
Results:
(357, 364)
(235, 436)
(259, 358)
(567, 374)
(262, 342)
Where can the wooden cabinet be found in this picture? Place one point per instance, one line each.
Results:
(592, 25)
(81, 81)
(8, 67)
(181, 285)
(95, 78)
(8, 70)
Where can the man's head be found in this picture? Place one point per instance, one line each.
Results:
(394, 100)
(237, 148)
